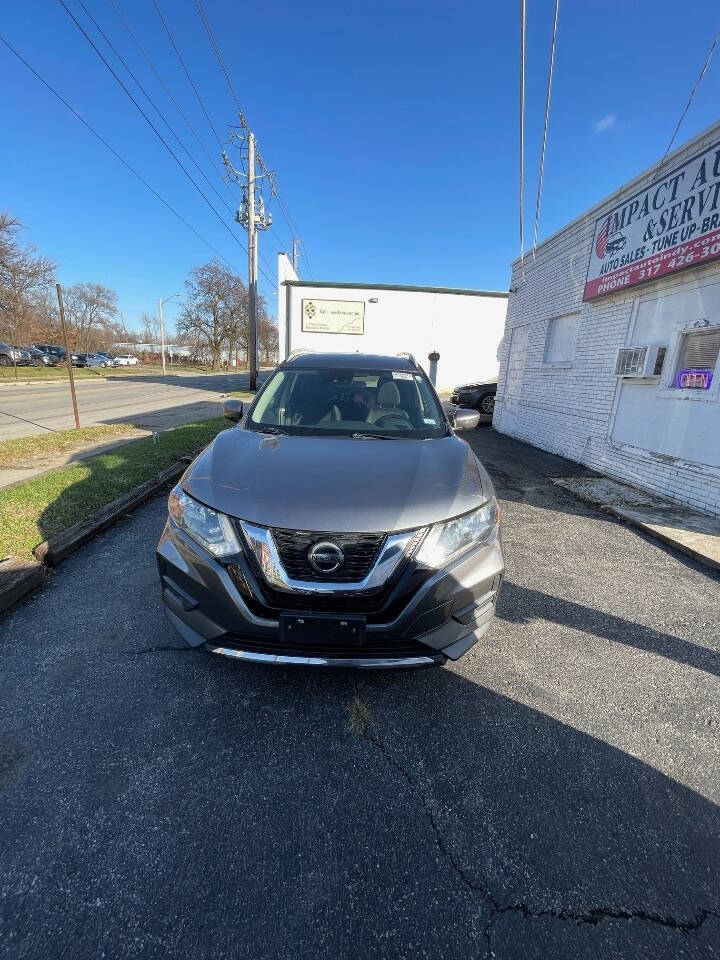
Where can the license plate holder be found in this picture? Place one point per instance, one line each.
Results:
(317, 628)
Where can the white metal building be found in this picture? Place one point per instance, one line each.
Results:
(464, 327)
(610, 354)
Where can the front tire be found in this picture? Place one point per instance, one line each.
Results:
(487, 404)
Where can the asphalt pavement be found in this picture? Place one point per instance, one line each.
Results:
(152, 402)
(552, 795)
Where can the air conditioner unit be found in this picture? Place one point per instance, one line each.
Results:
(641, 362)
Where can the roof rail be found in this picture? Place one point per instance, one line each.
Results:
(408, 356)
(298, 353)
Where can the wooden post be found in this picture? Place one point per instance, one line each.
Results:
(68, 355)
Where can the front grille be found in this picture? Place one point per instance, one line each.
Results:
(379, 648)
(454, 398)
(360, 550)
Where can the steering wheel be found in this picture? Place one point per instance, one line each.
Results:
(393, 419)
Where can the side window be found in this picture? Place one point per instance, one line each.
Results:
(560, 340)
(697, 359)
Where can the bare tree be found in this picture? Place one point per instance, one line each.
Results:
(268, 338)
(90, 307)
(237, 319)
(212, 314)
(150, 328)
(23, 277)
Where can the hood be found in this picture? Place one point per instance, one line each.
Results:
(336, 483)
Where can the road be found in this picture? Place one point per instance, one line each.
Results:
(153, 402)
(553, 796)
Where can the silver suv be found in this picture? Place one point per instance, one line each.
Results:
(11, 355)
(342, 523)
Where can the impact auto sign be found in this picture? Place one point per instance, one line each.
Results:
(670, 225)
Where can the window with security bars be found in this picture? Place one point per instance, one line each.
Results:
(630, 361)
(697, 359)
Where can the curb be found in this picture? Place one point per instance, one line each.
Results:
(628, 516)
(54, 549)
(19, 577)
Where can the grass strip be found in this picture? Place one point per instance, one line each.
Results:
(22, 449)
(7, 374)
(39, 508)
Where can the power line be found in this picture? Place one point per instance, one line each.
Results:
(218, 54)
(114, 152)
(708, 58)
(522, 127)
(187, 72)
(150, 123)
(153, 104)
(243, 119)
(545, 127)
(170, 94)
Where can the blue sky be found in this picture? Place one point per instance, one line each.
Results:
(393, 128)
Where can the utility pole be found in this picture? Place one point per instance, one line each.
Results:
(294, 253)
(254, 218)
(162, 335)
(162, 327)
(252, 264)
(68, 355)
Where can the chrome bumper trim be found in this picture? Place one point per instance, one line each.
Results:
(368, 663)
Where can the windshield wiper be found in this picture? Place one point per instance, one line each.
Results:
(275, 431)
(376, 436)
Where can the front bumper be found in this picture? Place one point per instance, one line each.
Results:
(420, 619)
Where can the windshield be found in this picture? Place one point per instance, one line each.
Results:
(349, 402)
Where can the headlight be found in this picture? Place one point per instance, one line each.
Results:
(211, 529)
(445, 541)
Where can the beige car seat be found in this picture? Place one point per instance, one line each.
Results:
(388, 398)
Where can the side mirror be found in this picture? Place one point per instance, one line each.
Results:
(464, 419)
(232, 409)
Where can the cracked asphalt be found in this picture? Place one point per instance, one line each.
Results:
(554, 794)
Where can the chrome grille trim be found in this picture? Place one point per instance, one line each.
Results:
(360, 551)
(262, 544)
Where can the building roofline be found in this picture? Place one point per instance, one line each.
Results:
(335, 285)
(593, 212)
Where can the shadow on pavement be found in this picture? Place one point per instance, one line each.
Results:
(523, 605)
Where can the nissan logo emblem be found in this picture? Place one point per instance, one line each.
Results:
(325, 556)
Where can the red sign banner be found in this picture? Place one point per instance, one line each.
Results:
(670, 225)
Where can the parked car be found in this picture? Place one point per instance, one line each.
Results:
(92, 360)
(110, 357)
(477, 396)
(13, 356)
(52, 349)
(342, 523)
(126, 360)
(38, 358)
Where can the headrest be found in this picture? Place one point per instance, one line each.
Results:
(388, 395)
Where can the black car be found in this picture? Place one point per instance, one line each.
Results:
(52, 350)
(476, 396)
(38, 358)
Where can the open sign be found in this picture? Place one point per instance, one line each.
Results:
(694, 379)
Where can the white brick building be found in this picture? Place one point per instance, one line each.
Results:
(560, 386)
